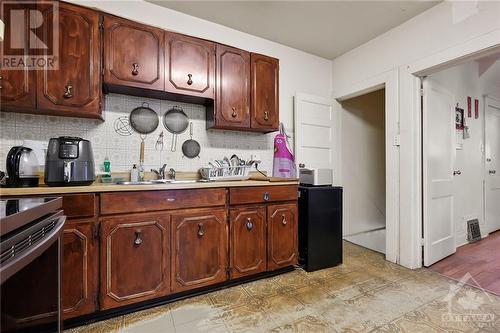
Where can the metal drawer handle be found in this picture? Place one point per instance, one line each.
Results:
(190, 80)
(135, 69)
(457, 172)
(170, 199)
(201, 230)
(234, 114)
(138, 240)
(67, 91)
(266, 196)
(249, 224)
(492, 172)
(266, 115)
(283, 219)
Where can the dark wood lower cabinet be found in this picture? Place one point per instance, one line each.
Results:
(135, 261)
(199, 248)
(282, 243)
(247, 241)
(80, 268)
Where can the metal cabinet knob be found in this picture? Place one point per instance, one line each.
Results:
(201, 230)
(492, 172)
(283, 219)
(190, 80)
(138, 240)
(135, 69)
(457, 172)
(234, 114)
(68, 91)
(302, 165)
(249, 224)
(266, 115)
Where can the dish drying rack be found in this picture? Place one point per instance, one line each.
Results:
(226, 173)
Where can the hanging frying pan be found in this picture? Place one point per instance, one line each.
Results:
(191, 148)
(176, 122)
(144, 121)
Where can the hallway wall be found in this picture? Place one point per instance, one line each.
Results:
(363, 162)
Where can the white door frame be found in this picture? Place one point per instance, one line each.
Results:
(487, 101)
(389, 81)
(411, 136)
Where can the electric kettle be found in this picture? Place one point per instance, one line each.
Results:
(22, 167)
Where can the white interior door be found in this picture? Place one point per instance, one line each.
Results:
(492, 165)
(438, 158)
(314, 131)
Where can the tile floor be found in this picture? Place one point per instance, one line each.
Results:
(365, 294)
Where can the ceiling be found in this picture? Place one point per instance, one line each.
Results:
(324, 28)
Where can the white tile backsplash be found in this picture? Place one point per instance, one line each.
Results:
(123, 151)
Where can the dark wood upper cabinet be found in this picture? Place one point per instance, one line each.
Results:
(74, 88)
(133, 54)
(189, 65)
(135, 258)
(18, 87)
(199, 248)
(248, 241)
(265, 93)
(232, 103)
(80, 266)
(281, 236)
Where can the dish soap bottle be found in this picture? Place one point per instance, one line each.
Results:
(107, 168)
(141, 172)
(134, 174)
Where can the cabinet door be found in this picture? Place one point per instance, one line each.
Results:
(190, 65)
(134, 258)
(282, 247)
(232, 105)
(265, 93)
(248, 241)
(80, 268)
(74, 89)
(18, 87)
(134, 54)
(199, 254)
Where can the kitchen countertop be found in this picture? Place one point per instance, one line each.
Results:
(100, 187)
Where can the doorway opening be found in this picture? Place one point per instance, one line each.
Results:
(461, 162)
(363, 159)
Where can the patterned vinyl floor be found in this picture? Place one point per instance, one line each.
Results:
(365, 294)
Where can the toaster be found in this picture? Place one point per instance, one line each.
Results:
(315, 176)
(69, 162)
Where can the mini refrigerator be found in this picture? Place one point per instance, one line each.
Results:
(320, 227)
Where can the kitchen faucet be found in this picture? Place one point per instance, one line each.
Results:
(172, 173)
(160, 172)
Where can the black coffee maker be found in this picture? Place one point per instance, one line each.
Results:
(22, 166)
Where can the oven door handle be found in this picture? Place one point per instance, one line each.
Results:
(23, 259)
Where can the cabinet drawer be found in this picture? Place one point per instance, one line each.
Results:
(125, 202)
(80, 205)
(259, 194)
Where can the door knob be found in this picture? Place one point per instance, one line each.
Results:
(457, 172)
(492, 172)
(302, 165)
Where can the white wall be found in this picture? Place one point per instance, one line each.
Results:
(363, 162)
(445, 32)
(299, 71)
(442, 27)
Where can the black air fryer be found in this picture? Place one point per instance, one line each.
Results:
(69, 162)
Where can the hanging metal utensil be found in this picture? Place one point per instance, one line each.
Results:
(144, 121)
(159, 142)
(176, 122)
(191, 148)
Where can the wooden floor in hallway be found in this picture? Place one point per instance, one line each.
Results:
(480, 259)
